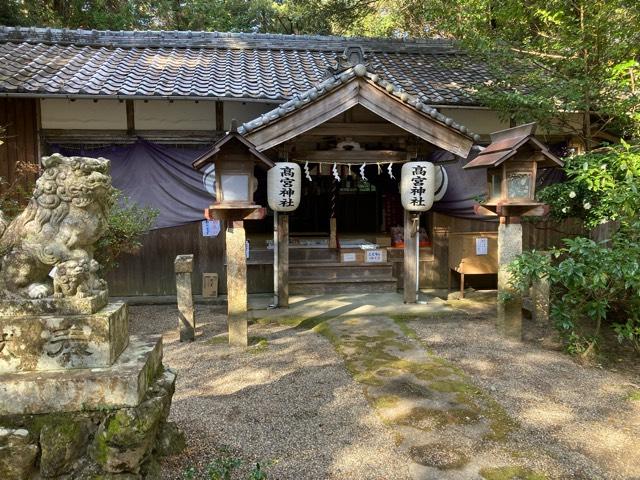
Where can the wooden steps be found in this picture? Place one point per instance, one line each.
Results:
(319, 271)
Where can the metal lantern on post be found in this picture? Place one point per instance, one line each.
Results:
(284, 187)
(234, 159)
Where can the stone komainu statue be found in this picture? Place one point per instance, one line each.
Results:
(64, 219)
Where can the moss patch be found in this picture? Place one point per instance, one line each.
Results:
(511, 473)
(258, 344)
(438, 455)
(218, 340)
(634, 396)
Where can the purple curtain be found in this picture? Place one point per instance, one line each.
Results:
(157, 176)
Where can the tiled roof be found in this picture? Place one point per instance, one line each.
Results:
(333, 82)
(216, 65)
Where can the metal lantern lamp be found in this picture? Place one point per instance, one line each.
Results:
(512, 161)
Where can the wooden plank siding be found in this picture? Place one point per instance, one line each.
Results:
(20, 118)
(150, 270)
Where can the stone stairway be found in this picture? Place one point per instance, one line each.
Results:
(319, 271)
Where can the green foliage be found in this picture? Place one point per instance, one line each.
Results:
(601, 186)
(593, 285)
(128, 221)
(222, 468)
(225, 467)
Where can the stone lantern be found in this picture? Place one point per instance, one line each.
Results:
(512, 160)
(234, 159)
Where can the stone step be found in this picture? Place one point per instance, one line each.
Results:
(354, 285)
(335, 270)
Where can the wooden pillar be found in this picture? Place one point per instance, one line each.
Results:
(509, 301)
(237, 284)
(131, 120)
(183, 265)
(410, 258)
(283, 260)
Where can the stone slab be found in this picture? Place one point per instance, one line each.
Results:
(183, 263)
(63, 306)
(122, 385)
(54, 342)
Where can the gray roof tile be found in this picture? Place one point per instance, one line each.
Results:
(212, 64)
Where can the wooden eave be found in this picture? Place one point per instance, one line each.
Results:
(207, 157)
(360, 91)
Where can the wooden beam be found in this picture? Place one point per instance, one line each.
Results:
(351, 156)
(123, 137)
(220, 116)
(410, 259)
(131, 121)
(304, 119)
(343, 129)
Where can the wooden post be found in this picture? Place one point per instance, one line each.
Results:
(410, 259)
(283, 260)
(131, 122)
(237, 284)
(183, 265)
(509, 301)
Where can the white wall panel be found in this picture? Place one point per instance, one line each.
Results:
(176, 115)
(83, 114)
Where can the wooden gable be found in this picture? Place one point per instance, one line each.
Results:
(360, 91)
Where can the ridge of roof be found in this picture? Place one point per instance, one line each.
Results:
(203, 39)
(331, 83)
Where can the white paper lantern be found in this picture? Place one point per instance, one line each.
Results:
(442, 182)
(284, 184)
(417, 185)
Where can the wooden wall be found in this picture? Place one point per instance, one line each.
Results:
(150, 270)
(20, 118)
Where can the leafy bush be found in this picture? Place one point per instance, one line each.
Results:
(592, 284)
(601, 186)
(128, 221)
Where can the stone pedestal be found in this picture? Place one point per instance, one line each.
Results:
(186, 318)
(237, 285)
(78, 397)
(509, 320)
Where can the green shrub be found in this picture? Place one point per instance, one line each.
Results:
(128, 221)
(592, 285)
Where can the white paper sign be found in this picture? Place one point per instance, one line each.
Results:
(210, 228)
(482, 246)
(374, 256)
(348, 257)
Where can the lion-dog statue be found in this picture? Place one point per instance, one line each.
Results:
(51, 243)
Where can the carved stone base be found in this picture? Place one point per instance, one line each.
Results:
(93, 444)
(58, 306)
(54, 342)
(121, 385)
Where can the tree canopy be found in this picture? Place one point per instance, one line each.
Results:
(569, 61)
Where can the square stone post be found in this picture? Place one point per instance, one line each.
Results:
(237, 284)
(509, 322)
(411, 252)
(186, 318)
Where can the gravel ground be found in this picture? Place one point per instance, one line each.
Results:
(581, 416)
(287, 403)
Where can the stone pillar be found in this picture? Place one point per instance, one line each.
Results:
(237, 285)
(283, 260)
(509, 301)
(410, 258)
(540, 292)
(186, 318)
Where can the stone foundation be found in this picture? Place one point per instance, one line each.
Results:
(79, 399)
(121, 443)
